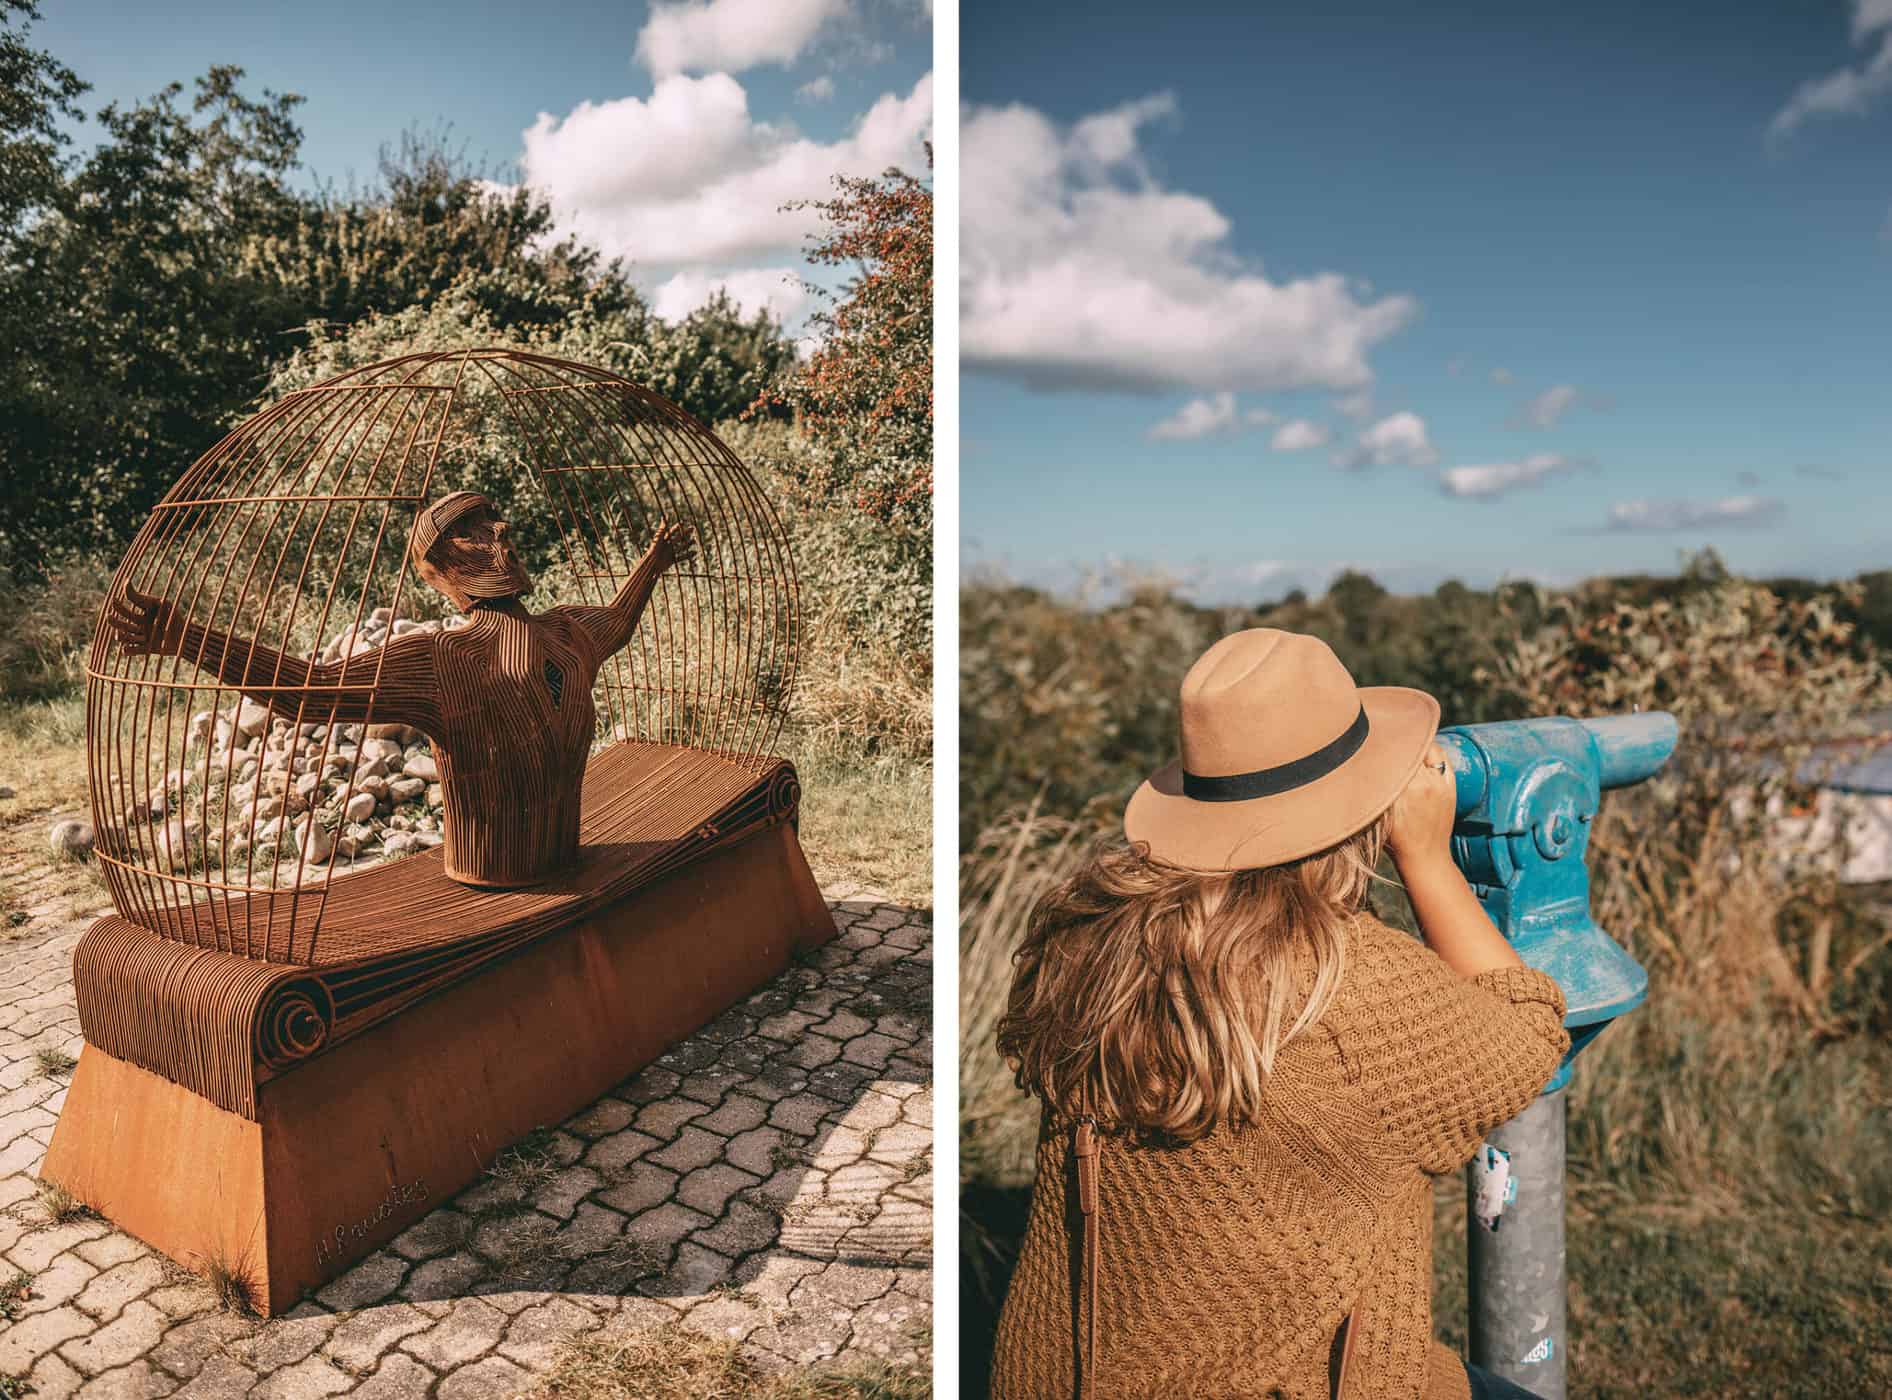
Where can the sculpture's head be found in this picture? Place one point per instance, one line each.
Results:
(464, 549)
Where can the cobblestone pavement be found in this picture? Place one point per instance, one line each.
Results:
(770, 1180)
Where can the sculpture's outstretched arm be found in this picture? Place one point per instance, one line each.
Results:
(408, 692)
(611, 626)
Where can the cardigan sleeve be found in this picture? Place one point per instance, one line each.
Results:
(1445, 1058)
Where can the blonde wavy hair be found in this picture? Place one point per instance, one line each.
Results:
(1155, 999)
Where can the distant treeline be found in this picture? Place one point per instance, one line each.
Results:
(1070, 706)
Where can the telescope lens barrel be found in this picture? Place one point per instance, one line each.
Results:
(1470, 769)
(1631, 748)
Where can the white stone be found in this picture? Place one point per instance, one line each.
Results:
(360, 807)
(71, 837)
(421, 765)
(251, 719)
(406, 789)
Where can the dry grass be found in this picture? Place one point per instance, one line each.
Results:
(59, 1205)
(228, 1280)
(678, 1363)
(527, 1165)
(53, 1062)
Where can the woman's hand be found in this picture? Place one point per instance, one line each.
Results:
(1421, 828)
(673, 543)
(144, 625)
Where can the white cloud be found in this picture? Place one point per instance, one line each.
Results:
(779, 290)
(1299, 435)
(1356, 405)
(1647, 515)
(686, 178)
(1496, 478)
(1201, 418)
(706, 36)
(1546, 408)
(1849, 89)
(816, 90)
(1397, 440)
(1080, 270)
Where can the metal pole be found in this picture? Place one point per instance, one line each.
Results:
(1516, 1273)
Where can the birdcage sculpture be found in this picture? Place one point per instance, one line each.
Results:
(270, 815)
(372, 911)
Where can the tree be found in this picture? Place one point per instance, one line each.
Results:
(866, 395)
(35, 91)
(136, 329)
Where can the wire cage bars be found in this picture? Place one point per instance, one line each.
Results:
(293, 532)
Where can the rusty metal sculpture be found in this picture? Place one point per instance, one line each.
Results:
(251, 992)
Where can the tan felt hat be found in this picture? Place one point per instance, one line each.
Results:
(1282, 756)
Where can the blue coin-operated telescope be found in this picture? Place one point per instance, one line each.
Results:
(1528, 791)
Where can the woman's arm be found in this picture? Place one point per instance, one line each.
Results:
(408, 692)
(1449, 1040)
(1450, 918)
(610, 627)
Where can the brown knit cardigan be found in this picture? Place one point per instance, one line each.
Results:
(1226, 1266)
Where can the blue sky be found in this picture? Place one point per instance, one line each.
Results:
(669, 133)
(1557, 290)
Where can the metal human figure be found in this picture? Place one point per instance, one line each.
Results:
(505, 700)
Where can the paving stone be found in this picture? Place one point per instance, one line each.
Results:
(111, 1249)
(535, 1336)
(370, 1281)
(222, 1378)
(754, 1151)
(495, 1378)
(23, 1342)
(603, 1118)
(439, 1280)
(308, 1379)
(801, 1114)
(665, 1225)
(695, 1270)
(708, 1189)
(361, 1340)
(646, 1186)
(812, 1051)
(400, 1377)
(666, 1117)
(439, 1232)
(59, 1282)
(743, 1229)
(138, 1381)
(53, 1378)
(726, 1314)
(464, 1333)
(286, 1341)
(125, 1339)
(188, 1346)
(649, 1085)
(560, 1196)
(39, 1247)
(111, 1290)
(693, 1148)
(613, 1154)
(739, 1113)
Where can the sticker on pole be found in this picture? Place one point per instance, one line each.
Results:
(1493, 1186)
(1543, 1351)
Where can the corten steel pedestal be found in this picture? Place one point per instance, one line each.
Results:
(344, 1150)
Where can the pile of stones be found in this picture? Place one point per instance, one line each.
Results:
(256, 789)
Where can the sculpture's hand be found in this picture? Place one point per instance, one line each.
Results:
(144, 625)
(673, 543)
